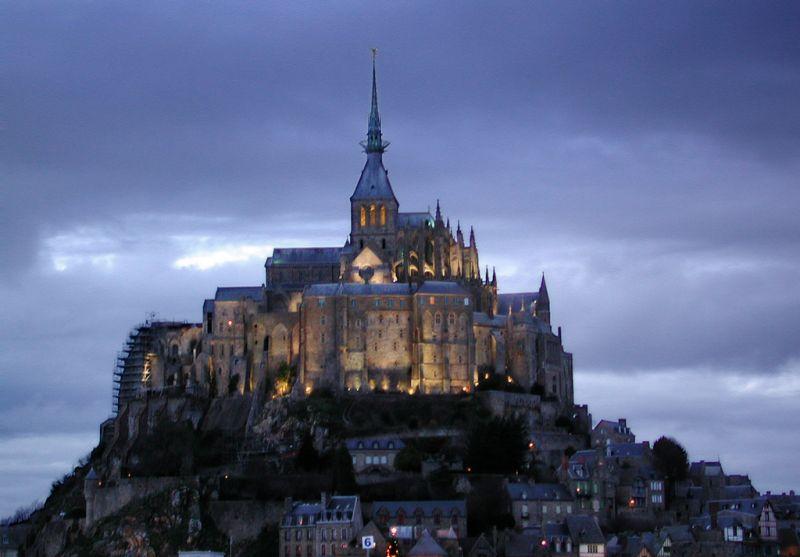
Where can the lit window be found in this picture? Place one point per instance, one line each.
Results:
(372, 215)
(363, 220)
(383, 216)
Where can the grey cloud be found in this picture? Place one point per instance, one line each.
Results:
(644, 155)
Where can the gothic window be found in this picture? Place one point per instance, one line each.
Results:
(383, 218)
(438, 318)
(361, 244)
(363, 219)
(266, 343)
(322, 320)
(372, 215)
(451, 319)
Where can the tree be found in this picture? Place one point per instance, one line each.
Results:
(409, 459)
(497, 446)
(672, 462)
(307, 456)
(670, 459)
(343, 479)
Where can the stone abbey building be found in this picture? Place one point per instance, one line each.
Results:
(401, 307)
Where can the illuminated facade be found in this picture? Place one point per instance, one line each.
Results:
(400, 307)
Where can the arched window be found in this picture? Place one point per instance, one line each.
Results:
(383, 215)
(372, 215)
(363, 219)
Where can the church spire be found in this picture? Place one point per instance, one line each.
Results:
(374, 142)
(438, 213)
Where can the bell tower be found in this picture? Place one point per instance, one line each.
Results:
(373, 206)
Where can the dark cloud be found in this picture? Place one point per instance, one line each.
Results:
(645, 155)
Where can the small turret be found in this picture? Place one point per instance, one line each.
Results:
(438, 214)
(494, 277)
(472, 237)
(487, 275)
(543, 303)
(459, 234)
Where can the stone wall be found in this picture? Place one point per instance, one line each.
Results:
(105, 499)
(244, 520)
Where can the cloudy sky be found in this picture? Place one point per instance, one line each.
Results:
(645, 156)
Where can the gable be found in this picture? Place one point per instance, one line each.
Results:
(367, 258)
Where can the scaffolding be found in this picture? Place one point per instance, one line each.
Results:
(132, 367)
(132, 370)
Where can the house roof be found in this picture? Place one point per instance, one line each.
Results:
(515, 300)
(426, 546)
(537, 492)
(374, 444)
(305, 256)
(633, 450)
(339, 508)
(480, 318)
(237, 293)
(680, 533)
(584, 529)
(447, 507)
(414, 220)
(441, 287)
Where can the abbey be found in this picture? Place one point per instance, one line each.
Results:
(401, 307)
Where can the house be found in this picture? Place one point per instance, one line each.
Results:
(426, 546)
(607, 432)
(356, 550)
(479, 547)
(592, 480)
(672, 537)
(557, 538)
(586, 535)
(434, 516)
(537, 504)
(319, 529)
(374, 454)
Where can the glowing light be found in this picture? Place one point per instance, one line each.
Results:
(309, 388)
(508, 378)
(230, 323)
(632, 503)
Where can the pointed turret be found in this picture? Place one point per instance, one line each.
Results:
(494, 277)
(471, 236)
(543, 302)
(438, 213)
(487, 275)
(459, 234)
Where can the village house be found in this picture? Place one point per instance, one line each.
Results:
(319, 529)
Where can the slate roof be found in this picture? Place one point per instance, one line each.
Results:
(426, 546)
(303, 513)
(515, 300)
(584, 529)
(305, 256)
(538, 492)
(236, 293)
(679, 534)
(374, 181)
(712, 468)
(427, 507)
(441, 287)
(414, 220)
(480, 318)
(634, 450)
(374, 444)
